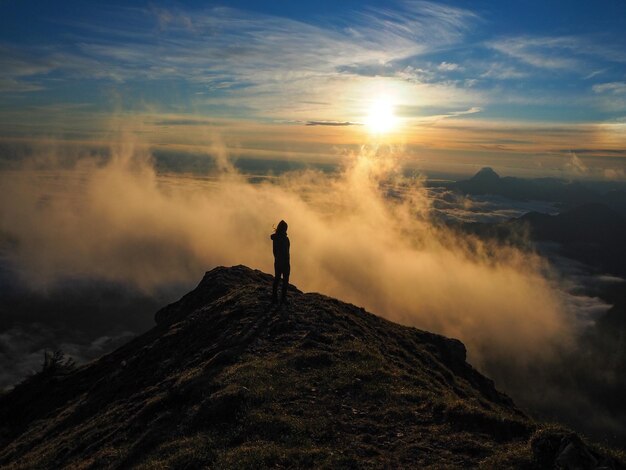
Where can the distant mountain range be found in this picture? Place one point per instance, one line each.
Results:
(567, 193)
(590, 228)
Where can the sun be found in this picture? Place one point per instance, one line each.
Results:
(380, 118)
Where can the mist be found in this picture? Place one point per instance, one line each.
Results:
(129, 238)
(363, 235)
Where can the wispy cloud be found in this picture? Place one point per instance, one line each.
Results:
(594, 74)
(12, 85)
(414, 26)
(333, 123)
(258, 47)
(261, 64)
(449, 67)
(611, 95)
(451, 114)
(542, 52)
(500, 71)
(615, 88)
(559, 52)
(16, 68)
(184, 122)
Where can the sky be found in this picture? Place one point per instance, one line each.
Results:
(530, 86)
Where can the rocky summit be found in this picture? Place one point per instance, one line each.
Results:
(226, 379)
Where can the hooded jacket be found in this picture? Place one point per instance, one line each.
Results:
(281, 248)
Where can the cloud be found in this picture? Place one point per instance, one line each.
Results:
(333, 123)
(451, 206)
(168, 18)
(541, 52)
(581, 54)
(615, 174)
(18, 67)
(449, 67)
(10, 85)
(594, 73)
(222, 37)
(423, 24)
(615, 88)
(472, 110)
(575, 165)
(185, 122)
(451, 114)
(500, 71)
(240, 62)
(121, 222)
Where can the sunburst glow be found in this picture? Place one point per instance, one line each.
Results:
(380, 118)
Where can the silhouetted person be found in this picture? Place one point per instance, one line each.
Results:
(281, 260)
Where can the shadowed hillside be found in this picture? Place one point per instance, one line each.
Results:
(227, 380)
(590, 233)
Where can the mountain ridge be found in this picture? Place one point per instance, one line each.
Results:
(228, 380)
(564, 192)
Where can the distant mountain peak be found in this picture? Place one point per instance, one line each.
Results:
(486, 174)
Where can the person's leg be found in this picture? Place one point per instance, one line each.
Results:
(286, 273)
(275, 285)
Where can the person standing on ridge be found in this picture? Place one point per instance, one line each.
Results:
(281, 260)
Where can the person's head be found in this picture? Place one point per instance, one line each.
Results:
(282, 227)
